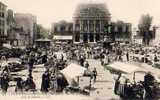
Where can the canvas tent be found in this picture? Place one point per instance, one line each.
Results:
(123, 67)
(14, 60)
(72, 71)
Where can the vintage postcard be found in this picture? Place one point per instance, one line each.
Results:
(80, 49)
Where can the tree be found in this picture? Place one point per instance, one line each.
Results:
(144, 28)
(42, 32)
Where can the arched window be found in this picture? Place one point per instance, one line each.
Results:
(91, 37)
(85, 37)
(97, 37)
(77, 38)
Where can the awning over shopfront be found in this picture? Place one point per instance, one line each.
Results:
(43, 40)
(7, 46)
(60, 37)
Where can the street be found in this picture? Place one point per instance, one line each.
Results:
(104, 84)
(102, 89)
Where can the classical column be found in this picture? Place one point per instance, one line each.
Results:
(94, 26)
(94, 36)
(88, 35)
(94, 22)
(100, 22)
(80, 22)
(81, 30)
(74, 31)
(81, 37)
(88, 26)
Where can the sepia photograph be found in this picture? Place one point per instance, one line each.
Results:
(80, 49)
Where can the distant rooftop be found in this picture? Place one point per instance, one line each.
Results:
(1, 3)
(92, 10)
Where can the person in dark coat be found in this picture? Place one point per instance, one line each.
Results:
(29, 84)
(155, 58)
(44, 59)
(149, 81)
(117, 83)
(31, 62)
(4, 82)
(81, 60)
(45, 82)
(127, 56)
(94, 74)
(19, 85)
(61, 82)
(86, 65)
(62, 57)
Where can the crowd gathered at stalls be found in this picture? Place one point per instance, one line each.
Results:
(58, 57)
(52, 59)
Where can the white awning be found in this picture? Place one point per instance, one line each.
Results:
(7, 46)
(72, 71)
(14, 60)
(61, 37)
(43, 40)
(124, 67)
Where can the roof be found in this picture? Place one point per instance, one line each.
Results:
(92, 10)
(1, 3)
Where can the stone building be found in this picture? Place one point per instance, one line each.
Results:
(19, 37)
(62, 31)
(26, 22)
(91, 24)
(20, 28)
(3, 23)
(90, 21)
(10, 26)
(121, 31)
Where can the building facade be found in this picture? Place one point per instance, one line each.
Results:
(91, 24)
(121, 31)
(90, 21)
(26, 22)
(3, 23)
(19, 37)
(20, 29)
(10, 26)
(62, 31)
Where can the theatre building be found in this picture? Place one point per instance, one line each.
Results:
(90, 21)
(91, 24)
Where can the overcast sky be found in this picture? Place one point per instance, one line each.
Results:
(48, 11)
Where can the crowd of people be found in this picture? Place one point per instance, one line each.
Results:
(54, 61)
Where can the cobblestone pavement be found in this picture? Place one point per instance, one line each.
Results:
(102, 89)
(104, 84)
